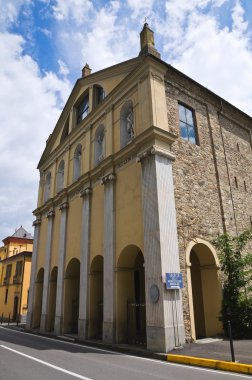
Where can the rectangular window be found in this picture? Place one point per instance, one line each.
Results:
(19, 268)
(187, 124)
(82, 110)
(8, 271)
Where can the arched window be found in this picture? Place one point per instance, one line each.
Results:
(127, 125)
(99, 145)
(60, 176)
(82, 109)
(98, 95)
(77, 162)
(47, 187)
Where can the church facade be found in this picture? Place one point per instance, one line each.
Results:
(145, 167)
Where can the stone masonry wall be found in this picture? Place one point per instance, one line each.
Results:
(208, 201)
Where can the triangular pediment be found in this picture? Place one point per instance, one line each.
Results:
(108, 78)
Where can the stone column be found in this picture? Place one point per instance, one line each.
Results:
(58, 323)
(36, 225)
(164, 315)
(84, 264)
(109, 255)
(44, 312)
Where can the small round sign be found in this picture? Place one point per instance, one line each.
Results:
(154, 293)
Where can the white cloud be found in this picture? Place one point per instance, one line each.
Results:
(9, 11)
(76, 10)
(140, 8)
(29, 107)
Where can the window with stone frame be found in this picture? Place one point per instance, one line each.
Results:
(60, 176)
(82, 109)
(47, 190)
(187, 124)
(98, 95)
(77, 162)
(99, 145)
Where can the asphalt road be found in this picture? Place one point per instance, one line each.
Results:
(29, 357)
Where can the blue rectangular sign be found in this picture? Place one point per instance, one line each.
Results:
(173, 280)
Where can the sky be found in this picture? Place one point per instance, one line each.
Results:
(45, 43)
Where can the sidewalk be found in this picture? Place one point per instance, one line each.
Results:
(215, 353)
(210, 352)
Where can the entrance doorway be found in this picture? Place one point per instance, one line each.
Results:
(205, 292)
(71, 297)
(131, 308)
(96, 298)
(15, 309)
(38, 299)
(52, 298)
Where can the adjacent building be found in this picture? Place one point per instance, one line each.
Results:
(145, 167)
(15, 271)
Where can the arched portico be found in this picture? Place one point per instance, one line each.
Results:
(38, 298)
(71, 296)
(130, 296)
(204, 289)
(52, 298)
(96, 298)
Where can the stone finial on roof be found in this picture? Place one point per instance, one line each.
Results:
(86, 70)
(147, 42)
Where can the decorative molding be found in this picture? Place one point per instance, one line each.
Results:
(125, 161)
(50, 214)
(36, 222)
(154, 149)
(143, 77)
(63, 206)
(85, 192)
(88, 127)
(107, 178)
(157, 77)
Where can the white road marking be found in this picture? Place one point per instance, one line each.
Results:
(47, 364)
(135, 357)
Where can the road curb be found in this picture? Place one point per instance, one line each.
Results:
(211, 363)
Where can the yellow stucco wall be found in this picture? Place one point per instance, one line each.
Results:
(73, 241)
(42, 243)
(129, 223)
(97, 221)
(55, 240)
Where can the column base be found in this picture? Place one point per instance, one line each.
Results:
(164, 339)
(58, 325)
(82, 329)
(43, 322)
(108, 332)
(28, 324)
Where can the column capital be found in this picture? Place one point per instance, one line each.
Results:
(155, 150)
(108, 178)
(63, 206)
(50, 214)
(36, 222)
(86, 191)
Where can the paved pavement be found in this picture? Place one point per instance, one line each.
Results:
(213, 353)
(218, 349)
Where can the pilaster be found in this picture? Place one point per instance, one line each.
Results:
(44, 312)
(164, 316)
(36, 225)
(58, 323)
(84, 263)
(109, 253)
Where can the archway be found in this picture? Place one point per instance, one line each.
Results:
(52, 298)
(15, 309)
(130, 306)
(38, 298)
(96, 298)
(203, 289)
(71, 296)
